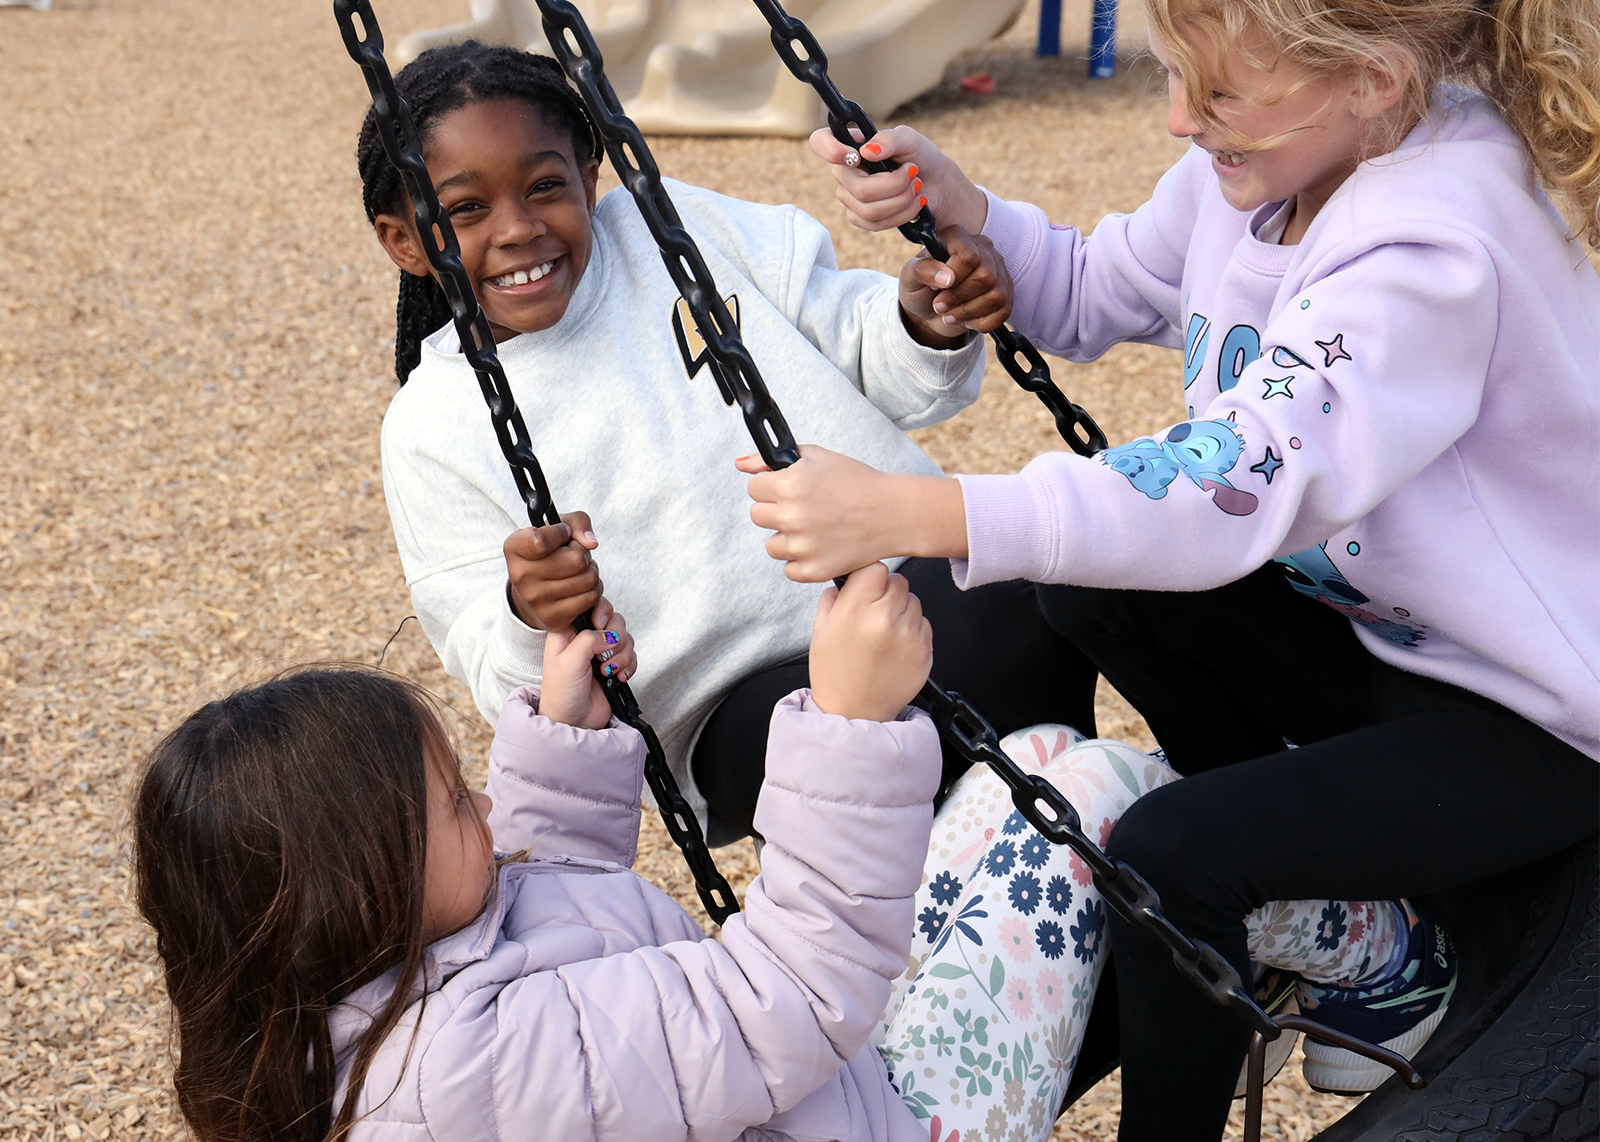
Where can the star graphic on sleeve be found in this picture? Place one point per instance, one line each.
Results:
(1278, 387)
(1268, 467)
(1334, 350)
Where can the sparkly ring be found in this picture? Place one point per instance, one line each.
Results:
(851, 159)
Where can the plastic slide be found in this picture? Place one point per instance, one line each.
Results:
(706, 67)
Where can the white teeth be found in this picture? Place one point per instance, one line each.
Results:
(522, 277)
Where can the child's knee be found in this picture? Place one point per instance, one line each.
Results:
(1161, 841)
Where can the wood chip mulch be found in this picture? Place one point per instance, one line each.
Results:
(195, 349)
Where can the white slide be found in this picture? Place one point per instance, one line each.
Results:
(707, 67)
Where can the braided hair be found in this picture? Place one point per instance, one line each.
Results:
(438, 82)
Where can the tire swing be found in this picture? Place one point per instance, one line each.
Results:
(1515, 1056)
(958, 723)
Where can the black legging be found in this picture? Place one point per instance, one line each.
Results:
(1400, 786)
(991, 645)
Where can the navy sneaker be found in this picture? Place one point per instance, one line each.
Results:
(1400, 1013)
(1275, 993)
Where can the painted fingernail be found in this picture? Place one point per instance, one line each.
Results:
(916, 186)
(851, 159)
(912, 170)
(626, 674)
(611, 638)
(609, 669)
(872, 149)
(923, 201)
(606, 655)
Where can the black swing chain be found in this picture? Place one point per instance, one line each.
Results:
(404, 148)
(810, 65)
(1039, 802)
(1125, 889)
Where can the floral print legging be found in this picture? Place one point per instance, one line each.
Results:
(982, 1030)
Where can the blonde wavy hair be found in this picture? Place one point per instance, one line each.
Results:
(1537, 60)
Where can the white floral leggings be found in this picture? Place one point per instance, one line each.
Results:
(982, 1031)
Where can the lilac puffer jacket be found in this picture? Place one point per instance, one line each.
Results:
(585, 1004)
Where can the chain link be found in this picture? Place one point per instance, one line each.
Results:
(402, 145)
(968, 732)
(737, 377)
(806, 61)
(1039, 802)
(1123, 888)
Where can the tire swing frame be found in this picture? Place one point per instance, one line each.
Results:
(1516, 1055)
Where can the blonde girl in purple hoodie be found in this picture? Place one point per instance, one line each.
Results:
(1375, 535)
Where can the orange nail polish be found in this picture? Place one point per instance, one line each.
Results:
(924, 201)
(912, 170)
(872, 149)
(916, 186)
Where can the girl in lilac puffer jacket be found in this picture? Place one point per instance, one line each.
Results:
(347, 956)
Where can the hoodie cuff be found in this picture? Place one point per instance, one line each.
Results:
(1011, 532)
(1017, 231)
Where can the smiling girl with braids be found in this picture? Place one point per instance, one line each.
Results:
(1375, 536)
(596, 348)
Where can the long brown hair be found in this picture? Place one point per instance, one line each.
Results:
(279, 854)
(1538, 61)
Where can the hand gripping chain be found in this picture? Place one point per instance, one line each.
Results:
(961, 725)
(1039, 802)
(404, 149)
(809, 65)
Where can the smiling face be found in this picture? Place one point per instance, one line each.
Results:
(1316, 128)
(521, 205)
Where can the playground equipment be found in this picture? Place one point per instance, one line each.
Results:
(1516, 1057)
(705, 67)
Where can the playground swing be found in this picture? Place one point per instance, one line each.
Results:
(1525, 964)
(1516, 1053)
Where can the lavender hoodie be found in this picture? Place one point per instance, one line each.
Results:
(585, 1004)
(1403, 409)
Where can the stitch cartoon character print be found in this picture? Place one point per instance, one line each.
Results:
(1203, 450)
(1315, 575)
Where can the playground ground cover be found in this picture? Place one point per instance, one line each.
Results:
(195, 333)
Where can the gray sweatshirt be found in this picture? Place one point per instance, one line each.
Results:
(623, 433)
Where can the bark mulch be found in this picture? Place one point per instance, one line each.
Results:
(195, 333)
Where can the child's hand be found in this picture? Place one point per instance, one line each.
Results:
(833, 514)
(553, 577)
(569, 693)
(970, 291)
(871, 649)
(926, 176)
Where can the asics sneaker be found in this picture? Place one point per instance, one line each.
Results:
(1276, 995)
(1399, 1013)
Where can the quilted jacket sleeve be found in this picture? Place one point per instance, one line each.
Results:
(704, 1039)
(562, 791)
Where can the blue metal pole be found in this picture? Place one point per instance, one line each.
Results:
(1050, 28)
(1102, 39)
